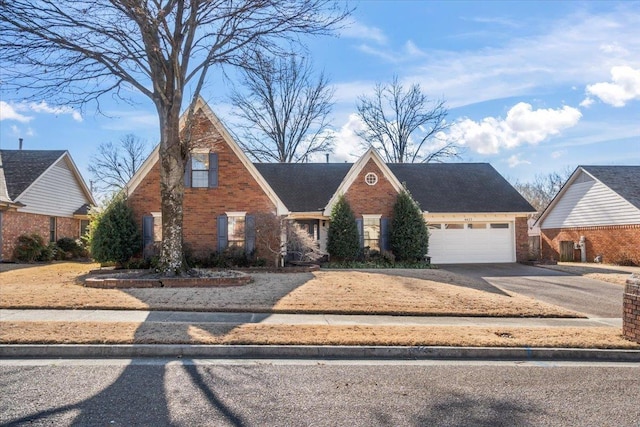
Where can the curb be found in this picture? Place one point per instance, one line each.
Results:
(316, 352)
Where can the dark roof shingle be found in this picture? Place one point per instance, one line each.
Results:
(23, 167)
(624, 180)
(442, 187)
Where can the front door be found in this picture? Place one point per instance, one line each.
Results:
(312, 226)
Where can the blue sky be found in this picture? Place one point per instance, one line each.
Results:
(531, 87)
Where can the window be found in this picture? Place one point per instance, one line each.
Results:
(500, 225)
(52, 229)
(371, 230)
(371, 178)
(478, 225)
(434, 226)
(201, 170)
(84, 227)
(454, 226)
(235, 230)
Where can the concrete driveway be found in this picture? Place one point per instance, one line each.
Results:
(594, 298)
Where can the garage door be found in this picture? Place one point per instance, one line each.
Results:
(476, 242)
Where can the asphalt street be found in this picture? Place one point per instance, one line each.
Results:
(594, 298)
(154, 392)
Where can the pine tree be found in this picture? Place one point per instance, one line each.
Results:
(343, 240)
(114, 236)
(408, 237)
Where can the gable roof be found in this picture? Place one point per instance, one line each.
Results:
(460, 187)
(624, 180)
(23, 167)
(437, 187)
(304, 187)
(153, 158)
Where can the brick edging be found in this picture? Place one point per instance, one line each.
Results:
(167, 282)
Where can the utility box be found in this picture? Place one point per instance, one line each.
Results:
(631, 309)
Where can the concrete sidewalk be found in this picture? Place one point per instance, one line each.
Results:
(136, 316)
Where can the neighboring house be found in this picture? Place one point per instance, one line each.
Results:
(474, 214)
(601, 204)
(41, 191)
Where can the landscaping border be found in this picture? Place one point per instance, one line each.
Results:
(167, 282)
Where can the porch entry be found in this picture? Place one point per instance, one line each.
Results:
(312, 226)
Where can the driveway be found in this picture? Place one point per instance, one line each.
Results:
(594, 298)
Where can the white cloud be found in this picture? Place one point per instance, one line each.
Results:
(523, 125)
(558, 153)
(131, 121)
(8, 112)
(625, 87)
(347, 144)
(587, 102)
(16, 131)
(356, 30)
(43, 107)
(13, 111)
(514, 161)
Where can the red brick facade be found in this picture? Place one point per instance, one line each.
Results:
(616, 244)
(522, 239)
(16, 223)
(237, 191)
(631, 310)
(366, 199)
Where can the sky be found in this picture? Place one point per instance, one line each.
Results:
(531, 87)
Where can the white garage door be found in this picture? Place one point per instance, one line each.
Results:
(476, 242)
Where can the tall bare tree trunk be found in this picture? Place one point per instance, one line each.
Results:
(173, 153)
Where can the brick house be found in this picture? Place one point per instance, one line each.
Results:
(600, 204)
(474, 214)
(41, 191)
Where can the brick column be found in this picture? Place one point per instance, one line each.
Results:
(631, 309)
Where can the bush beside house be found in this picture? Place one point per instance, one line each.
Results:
(343, 241)
(408, 237)
(114, 235)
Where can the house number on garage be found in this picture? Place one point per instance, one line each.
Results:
(468, 219)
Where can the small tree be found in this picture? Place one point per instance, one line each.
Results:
(114, 235)
(408, 237)
(269, 236)
(301, 244)
(343, 241)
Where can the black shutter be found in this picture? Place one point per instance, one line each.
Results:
(187, 173)
(223, 238)
(384, 234)
(360, 226)
(213, 170)
(147, 230)
(250, 234)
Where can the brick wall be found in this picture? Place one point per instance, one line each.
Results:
(371, 199)
(522, 239)
(237, 191)
(16, 223)
(614, 243)
(631, 310)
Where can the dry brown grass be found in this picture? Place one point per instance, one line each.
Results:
(605, 272)
(269, 334)
(429, 292)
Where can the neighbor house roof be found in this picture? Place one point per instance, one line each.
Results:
(624, 180)
(442, 187)
(22, 167)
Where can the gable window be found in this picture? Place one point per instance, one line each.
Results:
(52, 229)
(371, 178)
(201, 170)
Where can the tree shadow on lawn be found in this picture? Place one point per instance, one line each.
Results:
(439, 275)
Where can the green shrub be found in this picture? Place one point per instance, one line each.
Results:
(70, 247)
(343, 241)
(408, 237)
(114, 235)
(29, 247)
(51, 252)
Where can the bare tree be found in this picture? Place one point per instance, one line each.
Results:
(404, 125)
(543, 188)
(76, 51)
(115, 164)
(283, 109)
